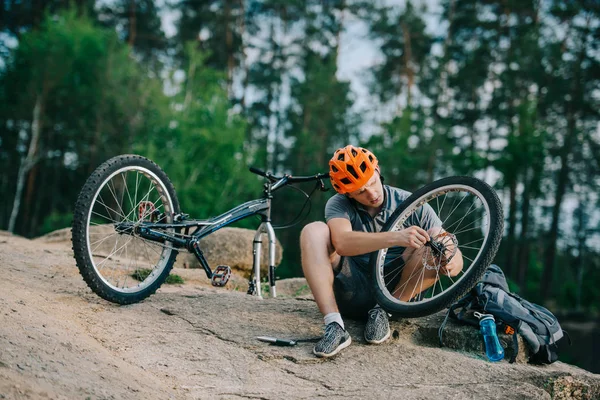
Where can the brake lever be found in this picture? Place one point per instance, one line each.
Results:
(321, 185)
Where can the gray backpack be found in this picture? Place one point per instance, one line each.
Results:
(538, 326)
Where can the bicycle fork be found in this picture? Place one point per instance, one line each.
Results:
(254, 286)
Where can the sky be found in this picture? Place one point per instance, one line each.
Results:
(357, 52)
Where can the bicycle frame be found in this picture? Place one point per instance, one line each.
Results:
(157, 231)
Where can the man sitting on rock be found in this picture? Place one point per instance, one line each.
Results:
(335, 255)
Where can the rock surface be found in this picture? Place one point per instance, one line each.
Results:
(233, 247)
(58, 340)
(227, 246)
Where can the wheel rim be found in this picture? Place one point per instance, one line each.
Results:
(464, 212)
(127, 263)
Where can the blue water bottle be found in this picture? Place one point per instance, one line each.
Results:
(493, 349)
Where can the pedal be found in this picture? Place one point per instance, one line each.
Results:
(221, 275)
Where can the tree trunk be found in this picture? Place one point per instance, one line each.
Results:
(29, 161)
(37, 200)
(523, 253)
(28, 215)
(563, 176)
(95, 141)
(132, 23)
(512, 223)
(410, 73)
(244, 61)
(229, 47)
(561, 188)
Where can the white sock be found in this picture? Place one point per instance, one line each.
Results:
(334, 317)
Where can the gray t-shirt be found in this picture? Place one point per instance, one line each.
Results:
(341, 206)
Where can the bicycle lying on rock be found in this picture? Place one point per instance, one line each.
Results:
(127, 219)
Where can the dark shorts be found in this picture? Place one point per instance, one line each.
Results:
(353, 288)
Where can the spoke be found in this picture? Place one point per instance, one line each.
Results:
(468, 247)
(153, 248)
(127, 189)
(108, 209)
(466, 230)
(422, 280)
(405, 285)
(112, 191)
(113, 252)
(467, 258)
(118, 258)
(148, 258)
(422, 276)
(390, 262)
(468, 225)
(99, 242)
(386, 276)
(453, 209)
(450, 277)
(155, 245)
(145, 198)
(438, 280)
(414, 272)
(473, 241)
(443, 202)
(102, 216)
(126, 275)
(137, 183)
(459, 222)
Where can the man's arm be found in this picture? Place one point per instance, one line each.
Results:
(351, 243)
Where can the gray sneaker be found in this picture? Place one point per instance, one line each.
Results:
(377, 329)
(334, 340)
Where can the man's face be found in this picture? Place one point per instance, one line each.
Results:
(371, 194)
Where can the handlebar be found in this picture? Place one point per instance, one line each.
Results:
(288, 178)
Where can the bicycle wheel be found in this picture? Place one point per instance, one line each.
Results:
(120, 195)
(465, 220)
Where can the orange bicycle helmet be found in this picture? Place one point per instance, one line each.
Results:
(350, 168)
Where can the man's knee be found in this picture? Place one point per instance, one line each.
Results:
(315, 236)
(315, 231)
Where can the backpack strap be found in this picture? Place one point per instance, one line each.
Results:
(465, 303)
(441, 330)
(568, 337)
(516, 347)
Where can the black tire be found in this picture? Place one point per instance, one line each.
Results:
(106, 200)
(387, 291)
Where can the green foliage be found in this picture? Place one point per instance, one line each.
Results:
(89, 91)
(56, 221)
(142, 273)
(198, 141)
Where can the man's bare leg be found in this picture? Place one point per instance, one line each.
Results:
(415, 277)
(318, 257)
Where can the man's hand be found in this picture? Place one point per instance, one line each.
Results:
(454, 265)
(413, 236)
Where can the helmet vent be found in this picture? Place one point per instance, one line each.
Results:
(354, 153)
(363, 166)
(341, 157)
(352, 171)
(334, 168)
(346, 181)
(370, 158)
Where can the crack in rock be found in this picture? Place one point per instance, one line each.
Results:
(290, 372)
(203, 330)
(244, 396)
